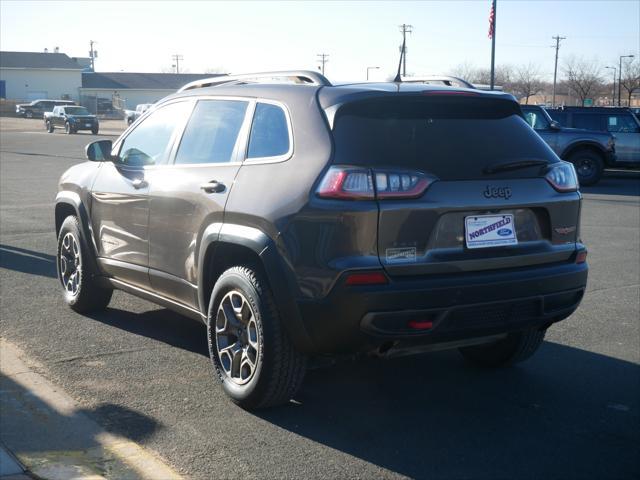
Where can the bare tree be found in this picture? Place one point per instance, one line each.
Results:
(582, 77)
(216, 69)
(526, 82)
(465, 71)
(630, 82)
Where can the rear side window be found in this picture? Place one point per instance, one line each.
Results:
(212, 132)
(536, 119)
(269, 132)
(452, 138)
(587, 121)
(621, 124)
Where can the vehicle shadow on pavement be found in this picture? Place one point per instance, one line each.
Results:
(56, 443)
(610, 185)
(27, 261)
(162, 325)
(433, 416)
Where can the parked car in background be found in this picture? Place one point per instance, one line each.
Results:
(590, 151)
(37, 108)
(307, 218)
(621, 122)
(131, 116)
(72, 119)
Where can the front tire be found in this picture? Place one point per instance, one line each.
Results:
(28, 114)
(252, 354)
(68, 129)
(515, 348)
(75, 273)
(94, 131)
(49, 126)
(588, 165)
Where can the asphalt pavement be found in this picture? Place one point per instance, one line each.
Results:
(142, 372)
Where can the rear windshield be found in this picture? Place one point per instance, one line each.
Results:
(452, 138)
(76, 111)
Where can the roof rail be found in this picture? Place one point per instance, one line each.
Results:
(446, 80)
(298, 76)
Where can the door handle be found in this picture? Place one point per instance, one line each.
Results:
(213, 187)
(139, 183)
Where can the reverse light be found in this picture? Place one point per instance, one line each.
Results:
(562, 176)
(354, 183)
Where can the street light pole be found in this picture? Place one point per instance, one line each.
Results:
(613, 93)
(620, 76)
(370, 68)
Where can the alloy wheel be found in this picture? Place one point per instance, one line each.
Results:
(70, 264)
(237, 340)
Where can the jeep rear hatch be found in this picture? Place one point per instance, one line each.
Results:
(443, 166)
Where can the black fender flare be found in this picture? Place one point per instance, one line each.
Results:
(580, 144)
(73, 200)
(282, 284)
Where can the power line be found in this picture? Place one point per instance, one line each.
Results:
(176, 58)
(404, 29)
(557, 38)
(322, 58)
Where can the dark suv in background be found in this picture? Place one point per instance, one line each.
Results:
(590, 151)
(620, 122)
(306, 218)
(37, 108)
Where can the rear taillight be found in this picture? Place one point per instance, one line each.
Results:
(353, 183)
(562, 176)
(581, 256)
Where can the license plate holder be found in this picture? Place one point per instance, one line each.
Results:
(486, 231)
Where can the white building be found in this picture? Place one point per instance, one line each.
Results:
(27, 76)
(132, 88)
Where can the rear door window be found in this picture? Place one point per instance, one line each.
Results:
(588, 121)
(270, 136)
(212, 132)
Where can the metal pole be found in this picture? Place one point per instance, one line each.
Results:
(493, 45)
(557, 38)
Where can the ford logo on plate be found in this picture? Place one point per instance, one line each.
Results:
(504, 232)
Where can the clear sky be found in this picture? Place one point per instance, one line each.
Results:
(262, 35)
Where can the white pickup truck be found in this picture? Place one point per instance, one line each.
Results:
(131, 116)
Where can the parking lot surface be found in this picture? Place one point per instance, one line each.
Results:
(142, 372)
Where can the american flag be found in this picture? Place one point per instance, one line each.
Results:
(492, 16)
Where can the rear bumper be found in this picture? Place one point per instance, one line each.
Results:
(461, 306)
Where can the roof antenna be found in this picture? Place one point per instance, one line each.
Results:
(398, 78)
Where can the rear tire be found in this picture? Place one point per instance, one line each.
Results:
(49, 127)
(516, 347)
(75, 270)
(589, 166)
(251, 352)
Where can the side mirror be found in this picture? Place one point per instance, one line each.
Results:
(99, 151)
(555, 125)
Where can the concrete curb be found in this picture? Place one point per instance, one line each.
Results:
(54, 438)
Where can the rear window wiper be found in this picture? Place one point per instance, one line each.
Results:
(502, 167)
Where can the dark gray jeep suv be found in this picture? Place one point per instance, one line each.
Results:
(298, 218)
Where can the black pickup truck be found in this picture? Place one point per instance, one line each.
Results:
(72, 119)
(38, 108)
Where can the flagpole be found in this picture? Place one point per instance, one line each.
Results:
(493, 45)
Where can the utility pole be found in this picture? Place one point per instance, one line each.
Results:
(404, 29)
(92, 55)
(557, 38)
(613, 94)
(620, 76)
(322, 58)
(176, 58)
